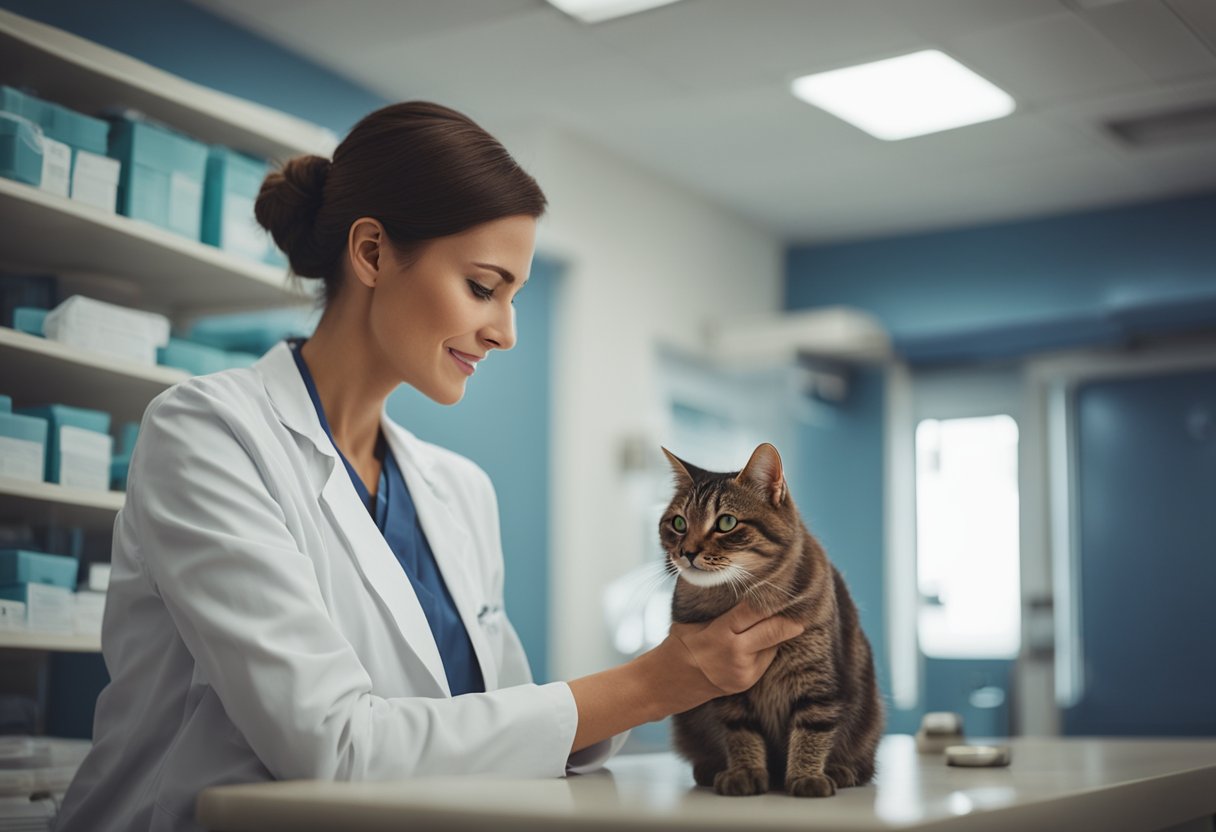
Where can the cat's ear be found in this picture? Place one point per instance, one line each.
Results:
(680, 468)
(764, 471)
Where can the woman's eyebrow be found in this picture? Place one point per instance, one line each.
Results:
(506, 275)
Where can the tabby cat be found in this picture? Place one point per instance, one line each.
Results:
(811, 724)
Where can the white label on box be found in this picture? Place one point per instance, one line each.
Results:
(12, 615)
(56, 166)
(99, 577)
(241, 232)
(185, 204)
(22, 459)
(95, 180)
(50, 608)
(84, 458)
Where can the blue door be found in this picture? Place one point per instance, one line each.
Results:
(1146, 512)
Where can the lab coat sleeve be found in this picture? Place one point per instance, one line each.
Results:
(201, 516)
(515, 669)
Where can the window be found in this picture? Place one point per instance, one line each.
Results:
(967, 547)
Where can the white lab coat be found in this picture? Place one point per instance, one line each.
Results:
(259, 627)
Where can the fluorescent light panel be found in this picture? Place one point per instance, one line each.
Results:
(911, 95)
(595, 11)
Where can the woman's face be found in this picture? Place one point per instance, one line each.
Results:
(437, 317)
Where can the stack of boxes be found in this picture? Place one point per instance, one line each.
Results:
(22, 444)
(36, 591)
(57, 149)
(138, 168)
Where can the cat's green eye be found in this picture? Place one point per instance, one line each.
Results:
(679, 524)
(727, 522)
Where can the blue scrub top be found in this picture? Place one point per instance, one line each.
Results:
(394, 513)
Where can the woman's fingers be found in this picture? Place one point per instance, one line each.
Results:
(769, 633)
(743, 616)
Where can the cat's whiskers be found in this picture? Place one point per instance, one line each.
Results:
(659, 574)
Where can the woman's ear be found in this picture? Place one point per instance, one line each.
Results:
(365, 245)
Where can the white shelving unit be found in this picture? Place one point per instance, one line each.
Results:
(43, 502)
(40, 369)
(133, 263)
(61, 642)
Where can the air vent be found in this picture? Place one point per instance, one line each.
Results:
(1175, 127)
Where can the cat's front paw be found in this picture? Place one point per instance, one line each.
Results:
(739, 782)
(843, 776)
(811, 785)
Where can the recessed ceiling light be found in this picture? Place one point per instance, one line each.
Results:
(594, 11)
(911, 95)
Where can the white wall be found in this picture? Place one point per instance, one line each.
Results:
(646, 263)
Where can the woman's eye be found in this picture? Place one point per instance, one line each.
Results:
(727, 522)
(679, 524)
(481, 291)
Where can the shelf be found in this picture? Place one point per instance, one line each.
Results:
(36, 370)
(833, 334)
(86, 76)
(60, 642)
(48, 502)
(44, 232)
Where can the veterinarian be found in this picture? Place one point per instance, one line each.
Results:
(303, 589)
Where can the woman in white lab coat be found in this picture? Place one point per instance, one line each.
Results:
(303, 589)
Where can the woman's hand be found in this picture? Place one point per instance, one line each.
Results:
(695, 663)
(726, 655)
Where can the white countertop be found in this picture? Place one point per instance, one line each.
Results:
(1052, 783)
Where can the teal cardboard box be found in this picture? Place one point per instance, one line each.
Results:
(233, 183)
(21, 566)
(22, 445)
(79, 447)
(162, 175)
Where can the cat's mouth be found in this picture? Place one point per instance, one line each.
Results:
(699, 576)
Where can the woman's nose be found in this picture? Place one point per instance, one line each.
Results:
(500, 334)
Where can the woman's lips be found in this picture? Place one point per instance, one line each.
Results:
(465, 362)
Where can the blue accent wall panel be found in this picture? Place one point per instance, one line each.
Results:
(1001, 277)
(503, 424)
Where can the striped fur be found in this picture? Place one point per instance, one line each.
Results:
(812, 723)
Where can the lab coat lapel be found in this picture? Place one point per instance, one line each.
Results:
(364, 542)
(450, 540)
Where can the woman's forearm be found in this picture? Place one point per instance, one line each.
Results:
(657, 684)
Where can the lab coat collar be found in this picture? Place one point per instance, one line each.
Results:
(447, 535)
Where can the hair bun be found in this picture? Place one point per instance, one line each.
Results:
(287, 207)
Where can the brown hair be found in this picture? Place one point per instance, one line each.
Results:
(423, 170)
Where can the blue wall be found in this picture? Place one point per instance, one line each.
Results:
(840, 481)
(1038, 270)
(1018, 285)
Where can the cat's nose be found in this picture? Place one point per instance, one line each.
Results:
(689, 556)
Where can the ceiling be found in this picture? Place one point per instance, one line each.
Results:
(698, 93)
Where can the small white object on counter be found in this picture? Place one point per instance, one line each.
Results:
(938, 730)
(978, 756)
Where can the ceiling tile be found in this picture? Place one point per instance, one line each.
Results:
(1200, 16)
(1153, 36)
(1049, 59)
